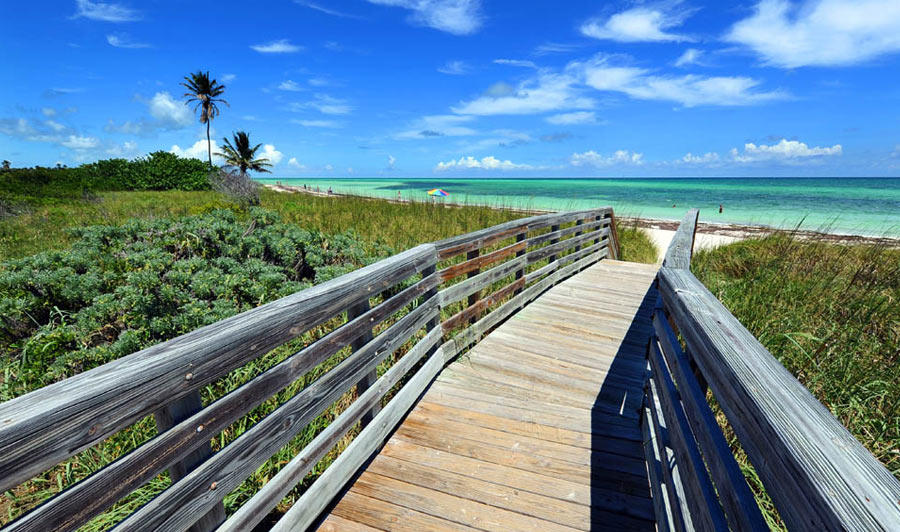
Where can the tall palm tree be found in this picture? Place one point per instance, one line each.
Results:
(240, 155)
(205, 93)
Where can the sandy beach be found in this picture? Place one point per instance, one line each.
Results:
(709, 235)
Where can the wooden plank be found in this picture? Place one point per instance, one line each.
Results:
(677, 506)
(262, 502)
(458, 291)
(615, 251)
(740, 506)
(819, 476)
(473, 311)
(475, 262)
(663, 514)
(678, 254)
(368, 379)
(705, 511)
(81, 502)
(556, 233)
(473, 298)
(339, 524)
(553, 240)
(51, 424)
(307, 508)
(176, 507)
(388, 516)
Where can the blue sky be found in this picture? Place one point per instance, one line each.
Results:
(406, 88)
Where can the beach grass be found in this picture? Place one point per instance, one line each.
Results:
(830, 313)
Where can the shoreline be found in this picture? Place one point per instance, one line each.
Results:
(722, 233)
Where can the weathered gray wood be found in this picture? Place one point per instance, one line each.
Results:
(81, 502)
(705, 511)
(473, 298)
(678, 254)
(474, 262)
(740, 506)
(259, 506)
(472, 312)
(44, 427)
(166, 418)
(572, 243)
(614, 236)
(819, 476)
(556, 233)
(578, 224)
(311, 504)
(654, 471)
(180, 505)
(368, 379)
(520, 273)
(560, 262)
(677, 507)
(554, 238)
(456, 292)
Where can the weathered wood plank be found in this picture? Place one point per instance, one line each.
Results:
(740, 506)
(819, 476)
(475, 262)
(44, 427)
(471, 313)
(677, 507)
(663, 514)
(256, 509)
(179, 505)
(368, 379)
(678, 254)
(388, 516)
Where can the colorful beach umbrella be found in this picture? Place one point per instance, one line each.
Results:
(438, 192)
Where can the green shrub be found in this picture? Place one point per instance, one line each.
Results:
(119, 289)
(159, 170)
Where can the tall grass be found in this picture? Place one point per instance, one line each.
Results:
(830, 314)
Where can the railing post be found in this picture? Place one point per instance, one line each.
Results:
(520, 272)
(578, 233)
(473, 299)
(613, 237)
(369, 379)
(553, 229)
(166, 418)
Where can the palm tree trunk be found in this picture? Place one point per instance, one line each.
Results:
(208, 145)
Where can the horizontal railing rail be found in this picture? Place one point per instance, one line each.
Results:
(386, 315)
(818, 475)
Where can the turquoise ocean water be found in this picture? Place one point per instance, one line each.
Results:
(838, 205)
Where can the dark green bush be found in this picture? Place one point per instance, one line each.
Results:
(119, 289)
(159, 170)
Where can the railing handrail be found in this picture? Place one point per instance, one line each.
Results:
(49, 425)
(681, 248)
(819, 476)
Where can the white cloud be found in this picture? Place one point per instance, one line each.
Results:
(820, 33)
(48, 111)
(281, 46)
(293, 162)
(620, 157)
(459, 17)
(639, 24)
(391, 161)
(578, 117)
(124, 41)
(329, 168)
(323, 9)
(228, 78)
(269, 152)
(784, 150)
(290, 85)
(486, 163)
(54, 125)
(76, 142)
(516, 63)
(199, 151)
(689, 90)
(127, 149)
(318, 123)
(105, 12)
(169, 112)
(318, 82)
(547, 92)
(432, 126)
(456, 68)
(708, 157)
(691, 56)
(555, 48)
(325, 104)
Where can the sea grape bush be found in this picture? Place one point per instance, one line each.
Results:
(119, 289)
(159, 170)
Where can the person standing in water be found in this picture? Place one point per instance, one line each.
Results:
(720, 208)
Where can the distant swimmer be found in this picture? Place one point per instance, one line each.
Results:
(398, 195)
(720, 208)
(673, 205)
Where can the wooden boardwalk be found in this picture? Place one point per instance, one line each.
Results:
(536, 428)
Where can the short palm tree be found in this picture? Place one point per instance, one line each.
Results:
(205, 93)
(240, 155)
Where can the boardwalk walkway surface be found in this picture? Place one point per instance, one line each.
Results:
(536, 428)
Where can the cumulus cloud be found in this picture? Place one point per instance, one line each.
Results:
(689, 90)
(432, 126)
(691, 56)
(455, 68)
(124, 41)
(708, 157)
(820, 33)
(167, 114)
(199, 151)
(76, 142)
(578, 117)
(281, 46)
(640, 24)
(269, 152)
(105, 12)
(294, 163)
(486, 163)
(620, 157)
(547, 92)
(784, 150)
(459, 17)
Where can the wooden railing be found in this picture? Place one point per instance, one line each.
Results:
(817, 474)
(387, 315)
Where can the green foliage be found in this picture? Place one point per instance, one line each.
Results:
(159, 170)
(122, 288)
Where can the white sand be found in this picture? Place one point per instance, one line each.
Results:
(662, 237)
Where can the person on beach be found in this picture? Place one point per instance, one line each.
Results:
(329, 191)
(720, 208)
